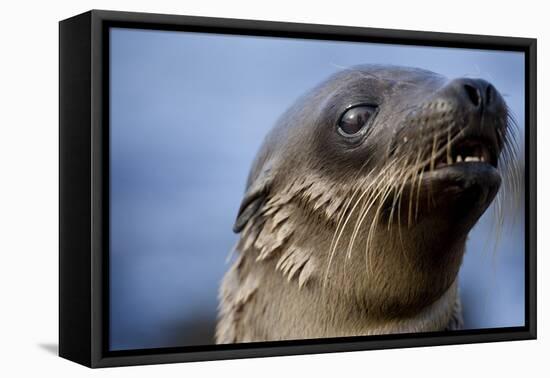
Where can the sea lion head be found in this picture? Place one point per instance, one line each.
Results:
(377, 176)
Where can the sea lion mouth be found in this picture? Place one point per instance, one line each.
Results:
(468, 151)
(464, 166)
(465, 172)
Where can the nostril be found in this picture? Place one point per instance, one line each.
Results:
(473, 94)
(489, 94)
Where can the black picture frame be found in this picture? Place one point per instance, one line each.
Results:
(84, 183)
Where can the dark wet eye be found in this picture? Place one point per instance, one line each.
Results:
(355, 119)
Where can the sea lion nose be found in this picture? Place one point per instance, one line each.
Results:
(472, 93)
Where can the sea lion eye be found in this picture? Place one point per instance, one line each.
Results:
(355, 119)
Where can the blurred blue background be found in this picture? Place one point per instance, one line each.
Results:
(188, 114)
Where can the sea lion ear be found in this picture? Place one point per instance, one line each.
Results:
(253, 200)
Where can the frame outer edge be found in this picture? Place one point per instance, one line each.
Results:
(99, 203)
(74, 190)
(532, 163)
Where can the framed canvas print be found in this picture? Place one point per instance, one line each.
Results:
(234, 188)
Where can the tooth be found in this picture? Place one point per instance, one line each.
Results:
(449, 158)
(471, 158)
(459, 158)
(482, 158)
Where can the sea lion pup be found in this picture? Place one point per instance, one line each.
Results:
(358, 206)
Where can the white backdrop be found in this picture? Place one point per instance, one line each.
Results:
(29, 186)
